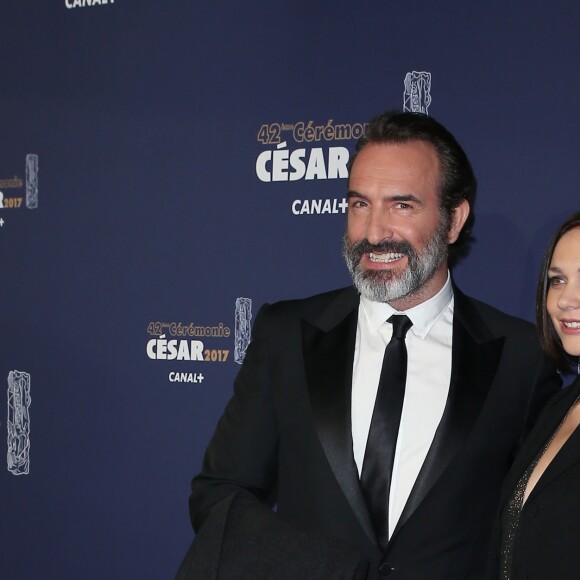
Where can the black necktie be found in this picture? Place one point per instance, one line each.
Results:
(382, 440)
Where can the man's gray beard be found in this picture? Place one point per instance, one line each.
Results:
(387, 285)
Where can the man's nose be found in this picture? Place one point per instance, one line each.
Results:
(379, 226)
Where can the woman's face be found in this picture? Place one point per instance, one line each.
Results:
(563, 300)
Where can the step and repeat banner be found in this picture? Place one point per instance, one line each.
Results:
(168, 167)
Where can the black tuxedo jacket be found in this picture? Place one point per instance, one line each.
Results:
(546, 545)
(286, 437)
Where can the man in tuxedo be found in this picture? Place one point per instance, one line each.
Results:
(380, 419)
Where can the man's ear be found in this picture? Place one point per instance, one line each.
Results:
(459, 216)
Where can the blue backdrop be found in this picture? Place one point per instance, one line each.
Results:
(166, 168)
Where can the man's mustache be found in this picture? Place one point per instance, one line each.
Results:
(397, 247)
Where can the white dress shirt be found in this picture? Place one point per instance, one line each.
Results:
(428, 374)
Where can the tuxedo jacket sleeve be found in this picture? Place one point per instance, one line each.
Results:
(285, 436)
(244, 539)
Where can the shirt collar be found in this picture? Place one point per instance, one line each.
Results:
(423, 316)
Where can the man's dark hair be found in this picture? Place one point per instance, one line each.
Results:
(548, 336)
(458, 181)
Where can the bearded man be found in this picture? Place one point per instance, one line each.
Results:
(379, 419)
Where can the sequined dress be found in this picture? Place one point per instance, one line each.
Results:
(510, 517)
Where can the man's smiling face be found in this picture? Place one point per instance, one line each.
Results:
(397, 236)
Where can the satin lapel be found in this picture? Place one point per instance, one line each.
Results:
(328, 358)
(475, 357)
(568, 455)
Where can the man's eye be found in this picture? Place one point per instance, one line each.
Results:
(358, 203)
(403, 205)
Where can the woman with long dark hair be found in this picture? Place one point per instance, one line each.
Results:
(540, 519)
